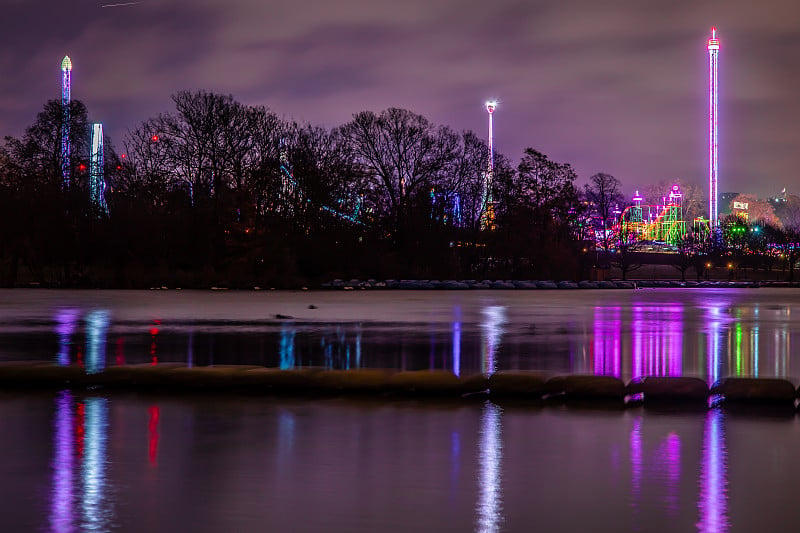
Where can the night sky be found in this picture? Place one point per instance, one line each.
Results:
(617, 86)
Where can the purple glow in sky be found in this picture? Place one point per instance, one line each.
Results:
(618, 86)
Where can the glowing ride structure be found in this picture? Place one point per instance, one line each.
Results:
(662, 223)
(713, 85)
(487, 204)
(66, 90)
(97, 184)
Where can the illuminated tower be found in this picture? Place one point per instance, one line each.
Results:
(66, 82)
(713, 53)
(97, 184)
(487, 205)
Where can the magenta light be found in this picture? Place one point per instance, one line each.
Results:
(66, 96)
(713, 53)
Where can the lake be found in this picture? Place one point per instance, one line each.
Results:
(706, 333)
(102, 461)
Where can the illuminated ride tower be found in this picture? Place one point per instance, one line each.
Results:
(97, 184)
(487, 204)
(66, 83)
(713, 83)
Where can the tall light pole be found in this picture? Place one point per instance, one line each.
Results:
(487, 207)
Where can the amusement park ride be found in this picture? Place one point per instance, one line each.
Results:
(663, 223)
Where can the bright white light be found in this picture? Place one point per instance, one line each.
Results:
(494, 317)
(96, 328)
(490, 458)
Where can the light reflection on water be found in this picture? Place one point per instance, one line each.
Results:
(490, 500)
(707, 334)
(713, 501)
(79, 485)
(678, 470)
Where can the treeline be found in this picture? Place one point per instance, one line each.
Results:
(216, 192)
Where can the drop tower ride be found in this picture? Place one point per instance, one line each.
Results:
(66, 88)
(713, 84)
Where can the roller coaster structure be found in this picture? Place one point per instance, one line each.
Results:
(663, 223)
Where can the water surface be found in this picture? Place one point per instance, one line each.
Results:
(158, 463)
(707, 333)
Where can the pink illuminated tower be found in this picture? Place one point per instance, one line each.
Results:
(66, 91)
(487, 207)
(713, 53)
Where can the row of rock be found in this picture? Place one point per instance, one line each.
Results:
(425, 284)
(517, 385)
(449, 284)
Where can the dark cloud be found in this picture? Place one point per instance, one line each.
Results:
(615, 86)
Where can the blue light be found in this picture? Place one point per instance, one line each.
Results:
(97, 184)
(287, 348)
(96, 328)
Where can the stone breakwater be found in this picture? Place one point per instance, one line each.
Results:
(424, 284)
(523, 386)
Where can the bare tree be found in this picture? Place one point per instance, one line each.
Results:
(403, 152)
(545, 186)
(603, 192)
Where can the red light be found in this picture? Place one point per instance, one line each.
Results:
(119, 167)
(153, 331)
(152, 427)
(81, 167)
(123, 156)
(154, 138)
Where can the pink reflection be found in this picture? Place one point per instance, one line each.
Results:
(670, 454)
(607, 341)
(61, 518)
(637, 464)
(119, 352)
(67, 323)
(657, 333)
(713, 502)
(659, 469)
(714, 320)
(79, 466)
(152, 430)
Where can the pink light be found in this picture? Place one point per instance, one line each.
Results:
(713, 52)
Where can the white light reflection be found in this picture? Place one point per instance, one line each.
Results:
(96, 327)
(713, 502)
(95, 509)
(490, 503)
(80, 433)
(494, 317)
(781, 354)
(67, 322)
(61, 519)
